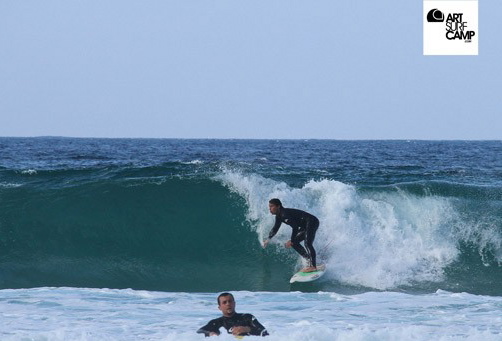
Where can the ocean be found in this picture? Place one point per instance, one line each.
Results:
(133, 239)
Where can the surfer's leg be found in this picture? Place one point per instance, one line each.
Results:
(301, 250)
(309, 241)
(298, 247)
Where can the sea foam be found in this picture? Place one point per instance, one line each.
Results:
(379, 240)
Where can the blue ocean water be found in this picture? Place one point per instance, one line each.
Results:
(412, 229)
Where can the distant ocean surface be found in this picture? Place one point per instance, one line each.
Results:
(411, 232)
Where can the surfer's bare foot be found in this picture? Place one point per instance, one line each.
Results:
(309, 269)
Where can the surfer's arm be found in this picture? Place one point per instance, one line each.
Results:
(240, 330)
(274, 229)
(210, 329)
(273, 232)
(256, 328)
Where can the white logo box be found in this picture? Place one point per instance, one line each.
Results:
(450, 27)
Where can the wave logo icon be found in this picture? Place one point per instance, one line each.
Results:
(435, 15)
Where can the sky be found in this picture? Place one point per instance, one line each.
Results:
(260, 69)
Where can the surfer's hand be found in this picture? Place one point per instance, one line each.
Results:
(265, 242)
(236, 331)
(288, 244)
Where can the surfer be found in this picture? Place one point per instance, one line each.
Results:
(304, 227)
(235, 323)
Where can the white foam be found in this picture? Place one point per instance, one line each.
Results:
(29, 172)
(9, 185)
(194, 162)
(100, 314)
(485, 233)
(378, 240)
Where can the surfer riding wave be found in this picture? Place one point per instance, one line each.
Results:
(304, 227)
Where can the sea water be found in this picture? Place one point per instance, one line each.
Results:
(132, 239)
(113, 314)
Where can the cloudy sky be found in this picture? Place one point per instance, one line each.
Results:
(242, 69)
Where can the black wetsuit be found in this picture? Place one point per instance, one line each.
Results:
(236, 320)
(304, 227)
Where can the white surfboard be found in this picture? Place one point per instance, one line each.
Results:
(308, 276)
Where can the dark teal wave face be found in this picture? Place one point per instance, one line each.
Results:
(154, 214)
(179, 235)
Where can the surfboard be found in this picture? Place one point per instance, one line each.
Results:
(308, 276)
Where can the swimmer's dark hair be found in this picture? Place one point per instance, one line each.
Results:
(223, 295)
(275, 202)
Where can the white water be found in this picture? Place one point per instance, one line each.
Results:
(378, 240)
(104, 314)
